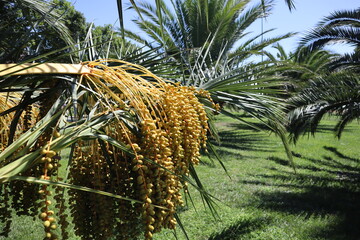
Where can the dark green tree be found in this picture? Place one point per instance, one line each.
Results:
(72, 19)
(33, 28)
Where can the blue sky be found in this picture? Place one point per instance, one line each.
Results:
(303, 18)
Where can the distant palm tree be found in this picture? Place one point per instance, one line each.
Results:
(187, 26)
(302, 65)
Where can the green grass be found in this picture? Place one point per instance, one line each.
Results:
(264, 198)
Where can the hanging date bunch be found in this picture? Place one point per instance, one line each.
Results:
(162, 135)
(171, 129)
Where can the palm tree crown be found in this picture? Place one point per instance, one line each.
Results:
(191, 24)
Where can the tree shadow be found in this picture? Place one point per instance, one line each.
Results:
(239, 228)
(330, 128)
(340, 155)
(320, 202)
(232, 141)
(329, 187)
(279, 161)
(343, 172)
(262, 183)
(240, 137)
(258, 127)
(330, 162)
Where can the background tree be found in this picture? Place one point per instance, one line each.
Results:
(301, 66)
(335, 93)
(73, 19)
(190, 25)
(37, 27)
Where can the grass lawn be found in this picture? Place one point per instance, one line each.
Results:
(264, 198)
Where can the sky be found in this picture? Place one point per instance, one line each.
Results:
(306, 15)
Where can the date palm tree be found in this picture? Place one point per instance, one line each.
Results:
(95, 110)
(202, 35)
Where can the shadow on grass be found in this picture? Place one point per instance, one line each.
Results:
(239, 228)
(320, 201)
(260, 126)
(280, 161)
(330, 162)
(330, 128)
(233, 141)
(340, 155)
(330, 187)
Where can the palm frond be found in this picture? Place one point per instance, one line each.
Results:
(325, 35)
(342, 18)
(290, 4)
(340, 26)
